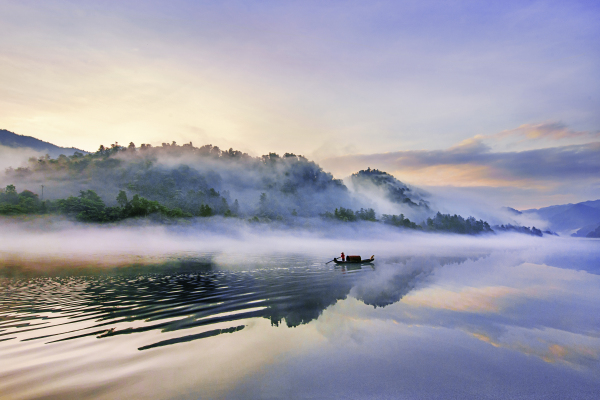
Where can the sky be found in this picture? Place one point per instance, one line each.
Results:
(498, 99)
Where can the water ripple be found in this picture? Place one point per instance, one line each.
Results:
(65, 308)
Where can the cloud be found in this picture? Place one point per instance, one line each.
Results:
(534, 136)
(474, 300)
(472, 163)
(547, 130)
(294, 76)
(531, 166)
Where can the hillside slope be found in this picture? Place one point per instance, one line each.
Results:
(581, 217)
(11, 139)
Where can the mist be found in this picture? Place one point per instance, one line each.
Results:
(230, 289)
(208, 181)
(11, 157)
(54, 241)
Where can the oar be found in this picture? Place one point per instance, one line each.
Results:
(328, 262)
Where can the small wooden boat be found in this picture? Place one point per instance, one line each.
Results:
(354, 260)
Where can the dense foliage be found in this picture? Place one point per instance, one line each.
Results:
(347, 215)
(183, 181)
(228, 182)
(87, 207)
(26, 202)
(400, 221)
(533, 231)
(456, 224)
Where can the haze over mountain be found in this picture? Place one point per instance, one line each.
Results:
(270, 187)
(582, 217)
(186, 181)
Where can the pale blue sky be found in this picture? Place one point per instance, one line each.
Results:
(324, 79)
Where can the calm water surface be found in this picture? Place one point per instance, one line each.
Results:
(501, 324)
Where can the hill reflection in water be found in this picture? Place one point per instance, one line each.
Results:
(174, 297)
(188, 293)
(198, 326)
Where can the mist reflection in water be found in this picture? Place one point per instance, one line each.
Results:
(192, 327)
(195, 296)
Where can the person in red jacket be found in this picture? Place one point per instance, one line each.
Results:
(343, 256)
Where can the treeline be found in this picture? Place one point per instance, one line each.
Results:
(185, 181)
(26, 202)
(440, 223)
(347, 215)
(456, 224)
(187, 177)
(533, 231)
(399, 221)
(87, 207)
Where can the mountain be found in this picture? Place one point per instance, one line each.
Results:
(395, 191)
(588, 231)
(512, 210)
(582, 217)
(10, 139)
(592, 203)
(595, 233)
(192, 179)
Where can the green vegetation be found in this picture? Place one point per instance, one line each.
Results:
(347, 215)
(191, 178)
(400, 221)
(206, 211)
(185, 181)
(456, 224)
(26, 202)
(87, 207)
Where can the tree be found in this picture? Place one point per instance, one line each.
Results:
(10, 194)
(205, 211)
(263, 208)
(225, 207)
(122, 198)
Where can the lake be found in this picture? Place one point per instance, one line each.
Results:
(433, 318)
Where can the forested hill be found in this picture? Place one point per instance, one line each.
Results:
(10, 139)
(369, 180)
(119, 182)
(189, 177)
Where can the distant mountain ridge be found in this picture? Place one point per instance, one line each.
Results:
(581, 217)
(11, 139)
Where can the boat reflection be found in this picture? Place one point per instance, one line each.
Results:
(193, 293)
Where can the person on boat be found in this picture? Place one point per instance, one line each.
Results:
(343, 256)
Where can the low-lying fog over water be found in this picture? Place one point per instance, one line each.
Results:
(237, 311)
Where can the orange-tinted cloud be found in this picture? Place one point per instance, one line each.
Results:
(547, 130)
(473, 300)
(471, 163)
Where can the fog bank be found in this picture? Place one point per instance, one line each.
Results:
(56, 241)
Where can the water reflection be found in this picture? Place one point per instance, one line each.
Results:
(188, 293)
(414, 308)
(183, 295)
